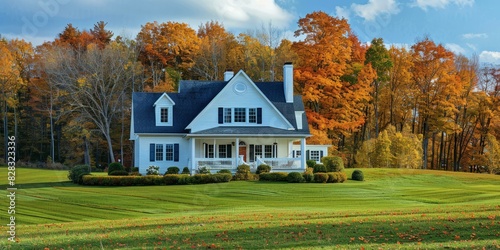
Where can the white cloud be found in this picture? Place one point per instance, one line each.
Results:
(455, 48)
(342, 12)
(490, 57)
(472, 46)
(374, 8)
(475, 35)
(440, 4)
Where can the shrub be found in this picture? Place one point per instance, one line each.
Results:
(333, 164)
(118, 173)
(310, 163)
(319, 168)
(295, 177)
(308, 174)
(263, 168)
(321, 177)
(115, 166)
(185, 179)
(245, 176)
(358, 175)
(171, 179)
(243, 169)
(172, 170)
(275, 176)
(76, 173)
(185, 170)
(203, 170)
(224, 171)
(336, 177)
(135, 169)
(153, 170)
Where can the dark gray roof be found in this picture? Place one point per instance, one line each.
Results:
(193, 96)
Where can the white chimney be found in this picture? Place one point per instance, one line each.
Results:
(288, 82)
(228, 75)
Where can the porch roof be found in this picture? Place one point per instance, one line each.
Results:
(254, 131)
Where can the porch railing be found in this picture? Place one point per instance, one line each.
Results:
(215, 163)
(280, 163)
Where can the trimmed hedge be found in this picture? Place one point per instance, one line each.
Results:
(275, 176)
(320, 177)
(118, 173)
(263, 168)
(295, 177)
(333, 164)
(224, 171)
(172, 170)
(319, 168)
(76, 173)
(169, 179)
(336, 177)
(358, 175)
(310, 163)
(114, 167)
(185, 170)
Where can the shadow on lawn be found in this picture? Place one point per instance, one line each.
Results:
(40, 185)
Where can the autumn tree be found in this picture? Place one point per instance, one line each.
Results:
(334, 93)
(95, 81)
(432, 73)
(167, 45)
(378, 57)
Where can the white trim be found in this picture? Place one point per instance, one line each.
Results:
(228, 85)
(161, 97)
(170, 118)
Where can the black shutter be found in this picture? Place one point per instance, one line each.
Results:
(252, 153)
(259, 115)
(228, 151)
(294, 153)
(221, 115)
(152, 152)
(176, 152)
(307, 154)
(320, 155)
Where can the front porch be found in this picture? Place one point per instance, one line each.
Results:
(228, 153)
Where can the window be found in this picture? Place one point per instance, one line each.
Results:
(314, 155)
(210, 151)
(164, 115)
(222, 151)
(268, 151)
(159, 152)
(258, 151)
(297, 154)
(169, 152)
(227, 115)
(252, 115)
(240, 115)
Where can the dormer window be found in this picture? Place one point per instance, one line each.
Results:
(163, 115)
(164, 107)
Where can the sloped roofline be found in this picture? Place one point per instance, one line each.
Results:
(164, 95)
(241, 72)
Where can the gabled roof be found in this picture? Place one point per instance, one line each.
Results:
(194, 96)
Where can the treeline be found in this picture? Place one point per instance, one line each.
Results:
(68, 100)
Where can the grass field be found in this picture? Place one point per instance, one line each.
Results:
(392, 209)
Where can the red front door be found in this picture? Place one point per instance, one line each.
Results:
(243, 151)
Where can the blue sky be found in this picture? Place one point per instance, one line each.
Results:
(469, 27)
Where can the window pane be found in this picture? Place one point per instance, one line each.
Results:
(227, 115)
(211, 151)
(268, 151)
(314, 155)
(169, 152)
(240, 115)
(252, 115)
(258, 151)
(159, 152)
(222, 151)
(164, 115)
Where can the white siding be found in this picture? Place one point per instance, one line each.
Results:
(143, 153)
(232, 97)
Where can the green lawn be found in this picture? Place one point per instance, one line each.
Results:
(393, 208)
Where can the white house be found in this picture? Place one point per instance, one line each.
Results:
(221, 124)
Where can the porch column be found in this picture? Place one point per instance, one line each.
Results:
(237, 153)
(303, 153)
(193, 155)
